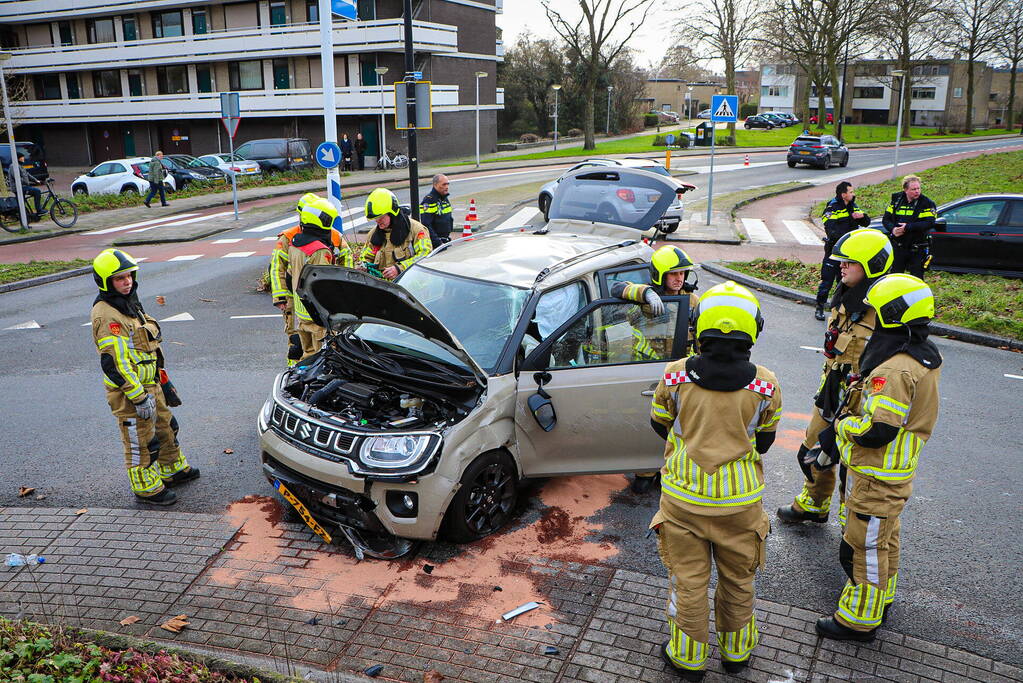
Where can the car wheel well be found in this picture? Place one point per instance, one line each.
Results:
(80, 189)
(488, 492)
(128, 188)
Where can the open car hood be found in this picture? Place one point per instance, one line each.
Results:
(343, 297)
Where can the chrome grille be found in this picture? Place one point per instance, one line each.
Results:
(320, 439)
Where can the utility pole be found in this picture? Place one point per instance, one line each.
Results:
(410, 89)
(16, 175)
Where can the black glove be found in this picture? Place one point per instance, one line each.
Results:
(170, 394)
(806, 457)
(146, 408)
(828, 453)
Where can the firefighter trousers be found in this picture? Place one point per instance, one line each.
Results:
(737, 545)
(816, 496)
(311, 336)
(869, 554)
(295, 349)
(151, 450)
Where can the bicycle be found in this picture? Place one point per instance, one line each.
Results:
(392, 159)
(62, 211)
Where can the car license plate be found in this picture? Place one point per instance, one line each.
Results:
(803, 151)
(302, 510)
(298, 159)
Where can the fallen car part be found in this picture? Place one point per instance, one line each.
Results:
(521, 609)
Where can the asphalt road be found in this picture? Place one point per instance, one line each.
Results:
(959, 580)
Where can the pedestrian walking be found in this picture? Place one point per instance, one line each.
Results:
(435, 211)
(360, 151)
(346, 152)
(397, 240)
(909, 220)
(155, 176)
(879, 442)
(864, 256)
(841, 216)
(718, 413)
(138, 390)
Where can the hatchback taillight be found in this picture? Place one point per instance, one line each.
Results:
(138, 171)
(626, 195)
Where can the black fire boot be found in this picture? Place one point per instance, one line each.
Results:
(164, 497)
(819, 312)
(181, 477)
(684, 674)
(643, 484)
(827, 627)
(735, 667)
(790, 515)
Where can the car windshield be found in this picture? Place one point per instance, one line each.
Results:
(617, 196)
(480, 315)
(656, 168)
(185, 160)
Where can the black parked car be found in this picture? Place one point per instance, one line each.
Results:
(35, 160)
(187, 169)
(792, 119)
(818, 150)
(758, 121)
(276, 155)
(776, 119)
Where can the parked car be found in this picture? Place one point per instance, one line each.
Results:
(705, 114)
(777, 120)
(978, 234)
(791, 118)
(276, 155)
(117, 176)
(758, 121)
(187, 169)
(830, 118)
(231, 164)
(35, 160)
(818, 150)
(672, 214)
(483, 365)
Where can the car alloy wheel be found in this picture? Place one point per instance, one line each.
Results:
(80, 190)
(486, 499)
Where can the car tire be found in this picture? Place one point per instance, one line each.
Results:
(486, 499)
(791, 163)
(80, 190)
(747, 126)
(845, 162)
(826, 163)
(130, 189)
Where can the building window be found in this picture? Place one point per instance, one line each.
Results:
(67, 33)
(100, 30)
(931, 70)
(871, 69)
(106, 83)
(813, 91)
(171, 80)
(282, 79)
(168, 24)
(923, 93)
(73, 91)
(131, 28)
(768, 70)
(204, 78)
(136, 86)
(245, 75)
(312, 11)
(993, 96)
(774, 91)
(47, 86)
(199, 21)
(278, 14)
(367, 10)
(957, 92)
(869, 93)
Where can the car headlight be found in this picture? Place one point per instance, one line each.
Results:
(265, 413)
(393, 452)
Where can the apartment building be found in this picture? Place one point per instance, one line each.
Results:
(108, 78)
(680, 96)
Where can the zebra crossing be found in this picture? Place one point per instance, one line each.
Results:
(777, 231)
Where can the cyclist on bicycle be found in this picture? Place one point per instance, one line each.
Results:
(26, 186)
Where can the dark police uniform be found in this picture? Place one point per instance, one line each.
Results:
(435, 214)
(838, 220)
(913, 247)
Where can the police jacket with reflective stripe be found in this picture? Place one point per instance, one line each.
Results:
(435, 214)
(838, 219)
(918, 216)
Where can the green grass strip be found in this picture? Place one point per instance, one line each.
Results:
(13, 272)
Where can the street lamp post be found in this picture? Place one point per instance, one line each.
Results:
(609, 89)
(479, 75)
(689, 105)
(556, 87)
(18, 195)
(381, 70)
(901, 73)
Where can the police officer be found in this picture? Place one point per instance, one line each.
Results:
(397, 241)
(880, 443)
(128, 342)
(280, 281)
(670, 270)
(864, 255)
(841, 216)
(313, 246)
(435, 211)
(909, 220)
(718, 413)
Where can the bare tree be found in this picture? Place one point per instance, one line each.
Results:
(681, 62)
(531, 65)
(1009, 46)
(595, 40)
(795, 33)
(629, 83)
(725, 30)
(17, 92)
(973, 30)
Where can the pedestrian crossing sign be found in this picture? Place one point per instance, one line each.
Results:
(723, 108)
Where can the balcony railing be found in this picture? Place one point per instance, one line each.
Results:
(247, 43)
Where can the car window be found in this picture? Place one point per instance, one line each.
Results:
(639, 274)
(298, 148)
(102, 169)
(116, 168)
(803, 140)
(1015, 214)
(558, 305)
(267, 150)
(975, 213)
(615, 334)
(613, 195)
(656, 168)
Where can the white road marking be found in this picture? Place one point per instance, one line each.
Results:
(138, 225)
(725, 167)
(261, 315)
(197, 219)
(519, 218)
(757, 231)
(238, 254)
(803, 233)
(272, 238)
(179, 318)
(290, 220)
(30, 325)
(816, 349)
(229, 240)
(1006, 374)
(186, 257)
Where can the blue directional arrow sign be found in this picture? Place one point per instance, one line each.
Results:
(328, 154)
(345, 8)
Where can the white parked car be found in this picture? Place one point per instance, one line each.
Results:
(231, 164)
(117, 176)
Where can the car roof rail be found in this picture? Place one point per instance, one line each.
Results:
(561, 265)
(479, 236)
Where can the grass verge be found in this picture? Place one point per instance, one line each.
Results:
(13, 272)
(986, 303)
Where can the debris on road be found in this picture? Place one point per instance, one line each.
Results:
(128, 621)
(160, 300)
(25, 491)
(498, 589)
(551, 650)
(175, 624)
(228, 451)
(521, 609)
(433, 676)
(40, 496)
(374, 670)
(82, 511)
(428, 568)
(209, 301)
(313, 622)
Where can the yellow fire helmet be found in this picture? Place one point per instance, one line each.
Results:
(729, 311)
(901, 299)
(868, 247)
(111, 262)
(381, 201)
(305, 199)
(669, 259)
(319, 213)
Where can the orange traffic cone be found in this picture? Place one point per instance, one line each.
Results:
(746, 163)
(467, 230)
(471, 216)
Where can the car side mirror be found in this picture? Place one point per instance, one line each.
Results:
(540, 403)
(940, 224)
(90, 174)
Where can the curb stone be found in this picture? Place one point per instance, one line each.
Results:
(941, 329)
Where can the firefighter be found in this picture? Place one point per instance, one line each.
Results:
(128, 342)
(879, 442)
(435, 211)
(909, 220)
(863, 255)
(841, 216)
(670, 269)
(718, 413)
(397, 241)
(313, 245)
(280, 284)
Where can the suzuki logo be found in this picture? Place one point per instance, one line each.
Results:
(305, 431)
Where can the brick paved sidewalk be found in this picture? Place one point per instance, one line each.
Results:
(270, 589)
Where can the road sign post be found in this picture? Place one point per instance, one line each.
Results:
(231, 116)
(723, 109)
(413, 148)
(345, 9)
